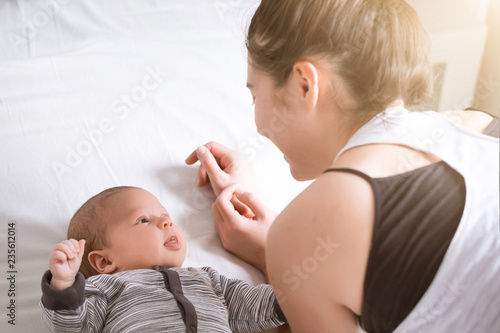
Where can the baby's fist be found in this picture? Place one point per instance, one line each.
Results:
(64, 262)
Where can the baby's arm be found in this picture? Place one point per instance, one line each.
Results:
(64, 263)
(69, 304)
(251, 308)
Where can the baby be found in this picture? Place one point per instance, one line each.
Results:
(131, 253)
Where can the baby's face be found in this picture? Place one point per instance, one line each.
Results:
(140, 233)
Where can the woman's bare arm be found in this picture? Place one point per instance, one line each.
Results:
(317, 251)
(476, 121)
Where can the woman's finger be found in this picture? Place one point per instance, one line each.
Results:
(224, 204)
(192, 158)
(253, 202)
(211, 166)
(219, 223)
(243, 209)
(217, 217)
(202, 177)
(218, 151)
(224, 229)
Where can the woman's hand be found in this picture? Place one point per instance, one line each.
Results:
(65, 261)
(243, 223)
(221, 167)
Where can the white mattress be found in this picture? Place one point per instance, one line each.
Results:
(97, 94)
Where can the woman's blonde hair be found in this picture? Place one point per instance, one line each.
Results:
(89, 223)
(378, 48)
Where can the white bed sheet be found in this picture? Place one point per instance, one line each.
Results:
(95, 94)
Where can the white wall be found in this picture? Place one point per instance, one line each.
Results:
(478, 8)
(458, 33)
(487, 95)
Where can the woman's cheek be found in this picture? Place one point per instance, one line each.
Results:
(260, 121)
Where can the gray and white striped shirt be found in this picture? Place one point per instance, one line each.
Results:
(163, 299)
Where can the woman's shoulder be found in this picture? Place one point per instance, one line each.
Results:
(323, 237)
(472, 119)
(339, 195)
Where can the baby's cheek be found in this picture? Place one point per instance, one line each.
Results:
(180, 234)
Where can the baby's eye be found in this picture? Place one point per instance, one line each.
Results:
(143, 220)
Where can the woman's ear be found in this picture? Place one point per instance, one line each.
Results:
(305, 79)
(101, 263)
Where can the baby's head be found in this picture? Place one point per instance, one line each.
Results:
(126, 228)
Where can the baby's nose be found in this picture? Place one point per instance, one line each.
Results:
(164, 223)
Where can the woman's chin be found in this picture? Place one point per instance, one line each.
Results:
(297, 175)
(303, 174)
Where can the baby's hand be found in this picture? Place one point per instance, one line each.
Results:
(64, 262)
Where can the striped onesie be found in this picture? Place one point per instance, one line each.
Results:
(162, 299)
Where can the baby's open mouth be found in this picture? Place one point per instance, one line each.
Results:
(172, 242)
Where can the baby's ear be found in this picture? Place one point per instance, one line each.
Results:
(101, 263)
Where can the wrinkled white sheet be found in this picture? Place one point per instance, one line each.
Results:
(95, 94)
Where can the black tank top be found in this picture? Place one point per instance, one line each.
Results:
(416, 216)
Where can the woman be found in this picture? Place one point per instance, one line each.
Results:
(399, 230)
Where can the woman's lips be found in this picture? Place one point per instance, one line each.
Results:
(173, 243)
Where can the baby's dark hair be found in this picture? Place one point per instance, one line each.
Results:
(88, 223)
